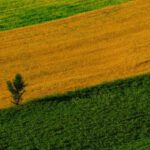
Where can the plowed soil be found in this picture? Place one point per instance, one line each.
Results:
(79, 51)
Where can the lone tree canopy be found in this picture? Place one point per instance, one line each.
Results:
(16, 88)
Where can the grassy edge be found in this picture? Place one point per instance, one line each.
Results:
(81, 92)
(55, 18)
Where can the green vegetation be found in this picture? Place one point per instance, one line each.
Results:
(112, 116)
(18, 13)
(143, 144)
(16, 88)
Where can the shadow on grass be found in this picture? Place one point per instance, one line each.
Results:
(95, 90)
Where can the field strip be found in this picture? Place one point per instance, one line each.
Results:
(19, 13)
(79, 51)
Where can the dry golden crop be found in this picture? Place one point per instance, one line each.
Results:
(79, 51)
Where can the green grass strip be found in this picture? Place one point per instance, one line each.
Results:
(110, 116)
(19, 13)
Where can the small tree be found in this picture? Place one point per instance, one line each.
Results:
(16, 88)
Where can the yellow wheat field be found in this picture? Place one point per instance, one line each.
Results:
(79, 51)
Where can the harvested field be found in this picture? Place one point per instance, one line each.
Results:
(79, 51)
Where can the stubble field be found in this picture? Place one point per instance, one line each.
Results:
(79, 51)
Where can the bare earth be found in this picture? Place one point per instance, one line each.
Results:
(79, 51)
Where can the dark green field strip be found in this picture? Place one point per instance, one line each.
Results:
(143, 144)
(110, 116)
(16, 13)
